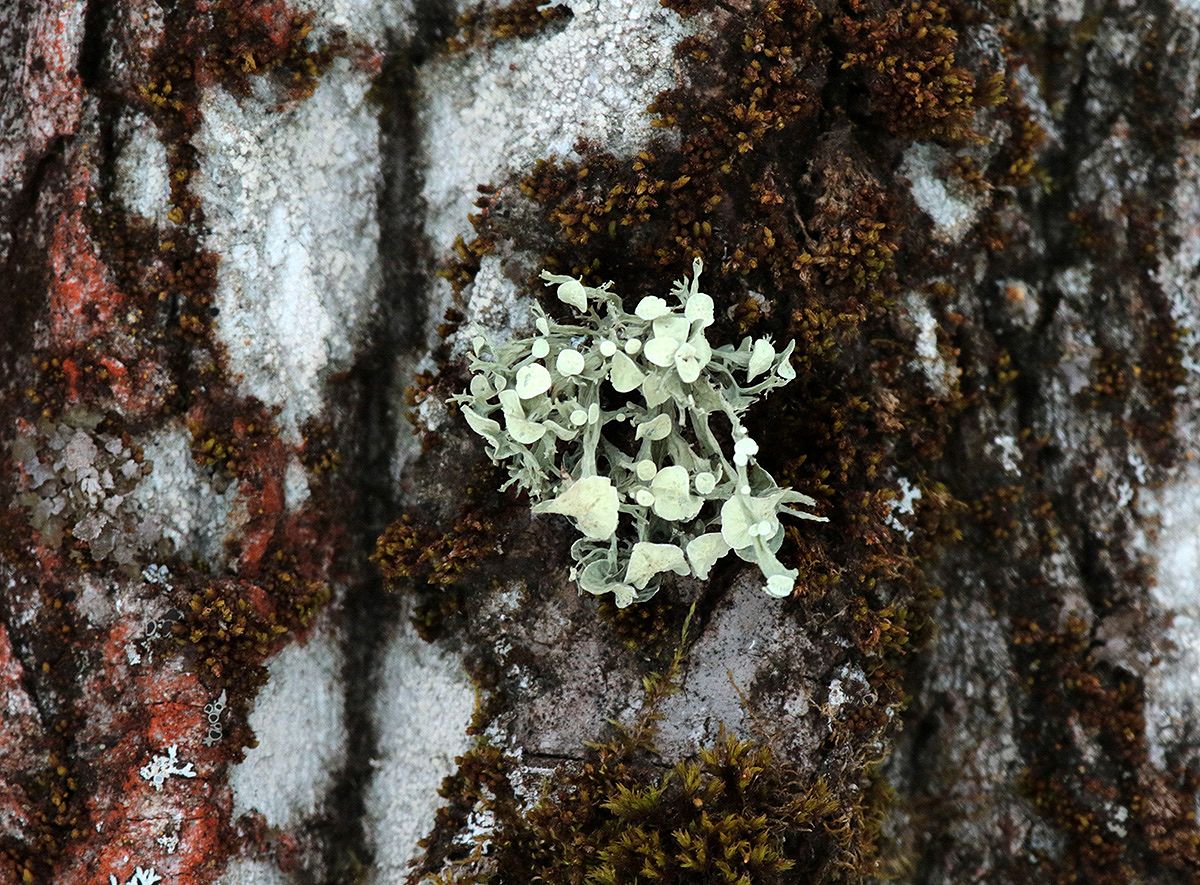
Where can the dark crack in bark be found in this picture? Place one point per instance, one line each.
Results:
(370, 612)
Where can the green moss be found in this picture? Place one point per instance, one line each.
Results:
(733, 812)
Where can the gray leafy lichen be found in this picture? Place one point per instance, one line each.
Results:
(76, 483)
(610, 421)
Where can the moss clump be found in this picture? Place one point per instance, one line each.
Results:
(410, 551)
(231, 626)
(319, 454)
(906, 56)
(253, 37)
(435, 561)
(1016, 161)
(649, 628)
(45, 777)
(232, 434)
(436, 565)
(734, 812)
(672, 203)
(54, 815)
(484, 25)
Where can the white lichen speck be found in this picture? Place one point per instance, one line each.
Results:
(163, 767)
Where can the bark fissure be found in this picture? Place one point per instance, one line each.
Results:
(370, 613)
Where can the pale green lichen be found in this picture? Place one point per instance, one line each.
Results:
(645, 479)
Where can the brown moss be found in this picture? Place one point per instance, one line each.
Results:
(648, 627)
(906, 56)
(232, 433)
(264, 37)
(1117, 828)
(486, 25)
(232, 626)
(43, 633)
(55, 809)
(460, 271)
(437, 566)
(1016, 161)
(319, 452)
(408, 551)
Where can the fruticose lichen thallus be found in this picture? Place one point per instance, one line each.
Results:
(613, 421)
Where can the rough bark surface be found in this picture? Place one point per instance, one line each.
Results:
(243, 247)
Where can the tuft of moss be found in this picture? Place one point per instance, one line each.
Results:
(906, 57)
(733, 812)
(231, 626)
(252, 37)
(485, 25)
(319, 453)
(408, 550)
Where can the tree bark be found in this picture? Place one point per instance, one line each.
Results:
(248, 545)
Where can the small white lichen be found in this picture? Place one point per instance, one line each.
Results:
(905, 505)
(76, 481)
(836, 698)
(212, 714)
(1010, 454)
(941, 376)
(1116, 824)
(169, 842)
(156, 573)
(163, 767)
(154, 630)
(949, 203)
